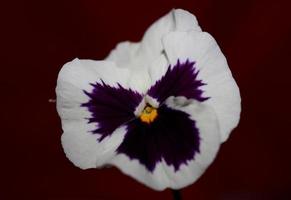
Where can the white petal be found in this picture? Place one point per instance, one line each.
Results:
(214, 71)
(76, 76)
(175, 20)
(80, 145)
(125, 55)
(158, 68)
(139, 79)
(185, 21)
(141, 55)
(164, 176)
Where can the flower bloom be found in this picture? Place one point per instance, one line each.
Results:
(158, 110)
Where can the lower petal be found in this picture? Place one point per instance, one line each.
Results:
(172, 136)
(173, 157)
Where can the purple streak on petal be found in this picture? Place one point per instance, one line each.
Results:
(180, 80)
(111, 107)
(173, 136)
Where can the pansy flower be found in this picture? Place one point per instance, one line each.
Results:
(158, 110)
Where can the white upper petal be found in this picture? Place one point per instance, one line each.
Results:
(214, 71)
(164, 176)
(80, 145)
(129, 54)
(126, 55)
(175, 20)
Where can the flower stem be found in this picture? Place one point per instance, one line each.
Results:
(176, 195)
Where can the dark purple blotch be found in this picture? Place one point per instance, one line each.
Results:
(179, 80)
(173, 136)
(111, 107)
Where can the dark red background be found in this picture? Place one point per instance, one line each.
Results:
(38, 37)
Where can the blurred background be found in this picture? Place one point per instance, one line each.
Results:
(38, 37)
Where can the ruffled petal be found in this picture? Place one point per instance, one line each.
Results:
(76, 87)
(175, 151)
(141, 55)
(175, 20)
(220, 87)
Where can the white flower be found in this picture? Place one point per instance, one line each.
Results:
(158, 110)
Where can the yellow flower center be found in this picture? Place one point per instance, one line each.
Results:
(149, 114)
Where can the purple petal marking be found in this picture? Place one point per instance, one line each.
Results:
(180, 80)
(111, 107)
(173, 136)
